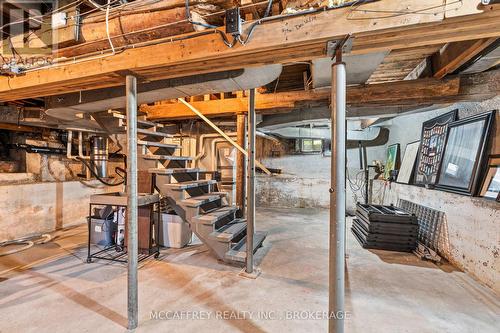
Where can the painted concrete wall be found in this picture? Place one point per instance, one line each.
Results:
(471, 235)
(27, 209)
(304, 183)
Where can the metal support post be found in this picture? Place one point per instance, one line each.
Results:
(250, 181)
(337, 197)
(132, 238)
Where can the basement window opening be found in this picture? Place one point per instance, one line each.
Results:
(310, 146)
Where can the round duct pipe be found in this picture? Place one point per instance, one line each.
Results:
(99, 155)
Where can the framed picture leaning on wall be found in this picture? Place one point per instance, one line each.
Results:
(432, 143)
(465, 156)
(393, 161)
(491, 185)
(408, 165)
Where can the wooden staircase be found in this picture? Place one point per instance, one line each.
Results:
(192, 193)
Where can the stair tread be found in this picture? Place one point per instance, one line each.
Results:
(167, 157)
(215, 215)
(143, 131)
(158, 144)
(190, 184)
(139, 121)
(200, 200)
(227, 232)
(170, 171)
(238, 251)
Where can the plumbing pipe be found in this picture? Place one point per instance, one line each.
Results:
(68, 146)
(201, 147)
(69, 154)
(214, 151)
(80, 147)
(217, 129)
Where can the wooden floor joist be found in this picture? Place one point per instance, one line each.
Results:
(454, 55)
(284, 39)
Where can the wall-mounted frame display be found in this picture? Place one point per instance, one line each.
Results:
(465, 156)
(393, 160)
(491, 185)
(432, 143)
(408, 165)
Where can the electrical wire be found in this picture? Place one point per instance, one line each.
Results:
(107, 27)
(239, 39)
(395, 13)
(190, 19)
(268, 9)
(99, 178)
(29, 242)
(101, 8)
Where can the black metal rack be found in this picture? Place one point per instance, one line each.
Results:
(115, 252)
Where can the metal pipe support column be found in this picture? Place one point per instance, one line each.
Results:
(337, 198)
(132, 229)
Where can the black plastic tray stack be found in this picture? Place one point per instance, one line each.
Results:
(385, 228)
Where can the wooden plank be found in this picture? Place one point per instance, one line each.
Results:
(376, 94)
(19, 128)
(456, 8)
(273, 35)
(240, 161)
(400, 63)
(454, 55)
(404, 94)
(286, 39)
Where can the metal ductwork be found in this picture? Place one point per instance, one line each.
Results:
(70, 107)
(368, 134)
(99, 155)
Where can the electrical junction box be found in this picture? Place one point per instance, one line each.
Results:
(59, 20)
(233, 21)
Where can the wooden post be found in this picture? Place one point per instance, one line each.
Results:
(240, 163)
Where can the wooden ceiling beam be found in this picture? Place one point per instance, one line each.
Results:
(409, 93)
(385, 93)
(285, 39)
(454, 55)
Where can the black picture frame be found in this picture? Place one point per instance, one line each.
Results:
(461, 173)
(430, 153)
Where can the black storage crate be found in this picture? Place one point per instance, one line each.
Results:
(385, 228)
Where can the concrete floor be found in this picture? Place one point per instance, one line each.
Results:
(50, 289)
